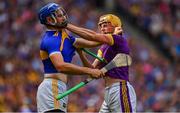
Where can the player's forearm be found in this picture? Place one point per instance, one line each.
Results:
(73, 69)
(89, 44)
(84, 60)
(83, 43)
(96, 63)
(82, 32)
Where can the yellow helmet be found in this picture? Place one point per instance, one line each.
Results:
(114, 20)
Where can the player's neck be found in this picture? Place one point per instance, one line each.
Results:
(50, 28)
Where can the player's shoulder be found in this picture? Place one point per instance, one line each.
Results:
(50, 39)
(117, 36)
(118, 40)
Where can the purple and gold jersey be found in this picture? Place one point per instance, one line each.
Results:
(56, 42)
(108, 52)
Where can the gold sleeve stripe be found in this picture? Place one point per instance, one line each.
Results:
(55, 93)
(43, 55)
(56, 33)
(112, 39)
(99, 54)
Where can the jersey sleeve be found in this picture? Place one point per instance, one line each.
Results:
(100, 51)
(112, 39)
(72, 39)
(118, 40)
(52, 46)
(120, 44)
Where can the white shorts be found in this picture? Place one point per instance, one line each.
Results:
(47, 91)
(120, 97)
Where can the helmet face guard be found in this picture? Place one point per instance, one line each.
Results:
(53, 11)
(58, 13)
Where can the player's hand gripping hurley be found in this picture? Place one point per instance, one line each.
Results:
(119, 60)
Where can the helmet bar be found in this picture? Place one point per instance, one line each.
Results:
(114, 20)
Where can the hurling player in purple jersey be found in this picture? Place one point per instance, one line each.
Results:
(119, 93)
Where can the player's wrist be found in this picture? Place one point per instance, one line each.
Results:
(79, 51)
(89, 71)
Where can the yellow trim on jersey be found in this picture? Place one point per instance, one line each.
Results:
(99, 54)
(63, 37)
(55, 93)
(64, 34)
(43, 55)
(125, 98)
(56, 33)
(112, 39)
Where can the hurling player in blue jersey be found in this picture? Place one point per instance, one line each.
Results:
(56, 50)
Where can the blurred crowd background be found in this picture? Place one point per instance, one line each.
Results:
(154, 75)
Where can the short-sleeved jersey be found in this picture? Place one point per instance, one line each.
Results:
(56, 42)
(108, 52)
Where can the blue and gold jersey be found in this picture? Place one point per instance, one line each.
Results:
(56, 42)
